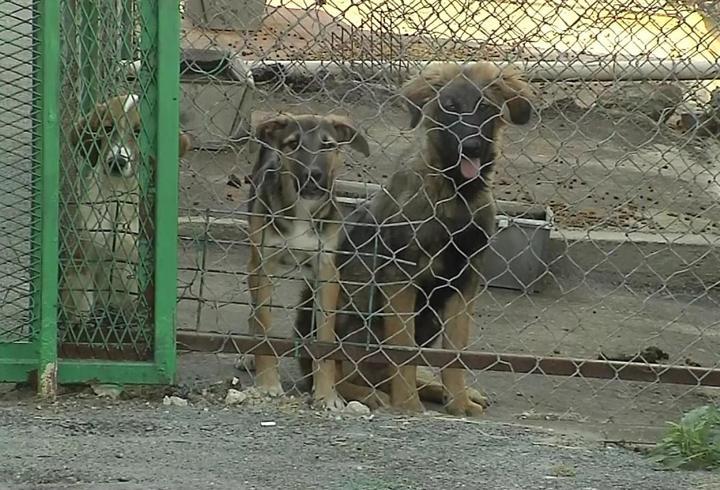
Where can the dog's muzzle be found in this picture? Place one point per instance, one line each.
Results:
(314, 184)
(474, 155)
(119, 165)
(119, 161)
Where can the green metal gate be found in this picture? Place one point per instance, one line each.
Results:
(58, 61)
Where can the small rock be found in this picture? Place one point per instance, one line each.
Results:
(356, 408)
(235, 397)
(268, 424)
(111, 391)
(175, 401)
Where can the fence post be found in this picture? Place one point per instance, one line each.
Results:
(46, 191)
(166, 94)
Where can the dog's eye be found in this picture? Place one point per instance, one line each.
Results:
(449, 106)
(290, 143)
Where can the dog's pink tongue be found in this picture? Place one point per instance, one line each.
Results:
(470, 167)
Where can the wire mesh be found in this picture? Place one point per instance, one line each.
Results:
(16, 159)
(106, 177)
(607, 223)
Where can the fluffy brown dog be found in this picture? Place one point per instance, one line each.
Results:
(410, 267)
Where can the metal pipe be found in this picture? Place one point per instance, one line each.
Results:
(481, 361)
(538, 70)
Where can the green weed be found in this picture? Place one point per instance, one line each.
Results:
(694, 443)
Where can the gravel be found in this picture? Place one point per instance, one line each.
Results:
(87, 442)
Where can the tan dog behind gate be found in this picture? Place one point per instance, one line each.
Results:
(104, 224)
(295, 219)
(421, 238)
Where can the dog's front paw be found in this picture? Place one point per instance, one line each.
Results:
(465, 407)
(411, 404)
(478, 397)
(267, 377)
(377, 400)
(272, 390)
(268, 384)
(332, 402)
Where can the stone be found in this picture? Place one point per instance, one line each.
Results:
(235, 397)
(111, 391)
(356, 408)
(175, 401)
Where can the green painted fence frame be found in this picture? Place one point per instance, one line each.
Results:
(160, 55)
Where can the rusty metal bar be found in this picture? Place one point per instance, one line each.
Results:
(479, 361)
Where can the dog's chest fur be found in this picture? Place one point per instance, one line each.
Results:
(451, 240)
(299, 238)
(109, 212)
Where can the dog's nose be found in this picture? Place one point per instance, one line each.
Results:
(314, 183)
(118, 163)
(315, 176)
(472, 148)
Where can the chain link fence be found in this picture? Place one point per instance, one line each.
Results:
(105, 293)
(89, 188)
(26, 250)
(15, 194)
(608, 215)
(118, 140)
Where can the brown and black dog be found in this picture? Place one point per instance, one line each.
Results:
(410, 266)
(295, 220)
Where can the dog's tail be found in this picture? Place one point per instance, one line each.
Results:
(303, 331)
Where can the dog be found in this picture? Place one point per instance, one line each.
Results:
(410, 265)
(104, 219)
(294, 218)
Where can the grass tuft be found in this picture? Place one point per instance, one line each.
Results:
(692, 444)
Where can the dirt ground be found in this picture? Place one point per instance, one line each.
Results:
(594, 166)
(82, 442)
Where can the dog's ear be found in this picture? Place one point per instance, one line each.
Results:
(517, 94)
(185, 144)
(85, 132)
(267, 130)
(348, 133)
(87, 127)
(425, 87)
(417, 93)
